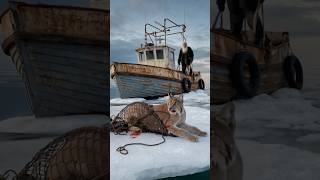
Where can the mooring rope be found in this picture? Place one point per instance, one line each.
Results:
(118, 130)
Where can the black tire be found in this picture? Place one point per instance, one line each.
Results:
(245, 89)
(186, 85)
(201, 84)
(293, 71)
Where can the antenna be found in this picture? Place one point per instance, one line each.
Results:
(184, 13)
(184, 22)
(160, 31)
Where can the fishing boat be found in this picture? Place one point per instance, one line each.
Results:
(242, 69)
(62, 53)
(155, 74)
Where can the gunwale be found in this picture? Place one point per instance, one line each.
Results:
(176, 75)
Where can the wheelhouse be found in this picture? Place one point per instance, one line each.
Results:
(155, 51)
(160, 56)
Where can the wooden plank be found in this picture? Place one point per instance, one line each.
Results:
(131, 86)
(73, 48)
(78, 52)
(102, 75)
(44, 60)
(83, 79)
(58, 20)
(54, 72)
(71, 86)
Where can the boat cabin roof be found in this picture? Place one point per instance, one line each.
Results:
(155, 51)
(150, 46)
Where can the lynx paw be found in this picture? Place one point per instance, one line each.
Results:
(193, 138)
(134, 129)
(202, 134)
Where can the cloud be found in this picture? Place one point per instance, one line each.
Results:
(123, 51)
(300, 18)
(129, 16)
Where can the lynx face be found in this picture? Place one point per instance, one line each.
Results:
(175, 104)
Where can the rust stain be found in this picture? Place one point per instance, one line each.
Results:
(55, 20)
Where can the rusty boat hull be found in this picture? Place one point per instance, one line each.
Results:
(62, 54)
(269, 60)
(144, 81)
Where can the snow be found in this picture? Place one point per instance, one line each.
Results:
(278, 162)
(193, 98)
(58, 125)
(176, 157)
(197, 98)
(283, 109)
(278, 135)
(119, 101)
(16, 154)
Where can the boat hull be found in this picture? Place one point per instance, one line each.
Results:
(270, 64)
(64, 73)
(143, 81)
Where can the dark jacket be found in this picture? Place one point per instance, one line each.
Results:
(236, 5)
(187, 58)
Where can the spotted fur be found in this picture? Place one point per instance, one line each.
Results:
(227, 162)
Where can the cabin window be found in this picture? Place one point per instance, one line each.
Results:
(141, 56)
(150, 55)
(159, 53)
(172, 55)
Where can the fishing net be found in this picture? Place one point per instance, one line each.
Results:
(79, 154)
(141, 115)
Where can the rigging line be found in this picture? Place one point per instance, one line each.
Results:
(184, 13)
(184, 22)
(165, 9)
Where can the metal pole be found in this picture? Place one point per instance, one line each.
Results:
(165, 32)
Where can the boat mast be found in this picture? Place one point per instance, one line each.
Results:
(161, 31)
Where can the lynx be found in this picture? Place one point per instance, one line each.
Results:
(176, 123)
(171, 114)
(227, 162)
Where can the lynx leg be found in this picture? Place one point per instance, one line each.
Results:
(135, 128)
(182, 133)
(192, 129)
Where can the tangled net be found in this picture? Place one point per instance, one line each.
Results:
(79, 154)
(141, 115)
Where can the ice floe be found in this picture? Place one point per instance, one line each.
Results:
(176, 157)
(286, 108)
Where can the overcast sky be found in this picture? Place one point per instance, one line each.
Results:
(129, 16)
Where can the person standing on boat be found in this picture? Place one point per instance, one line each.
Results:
(241, 10)
(185, 58)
